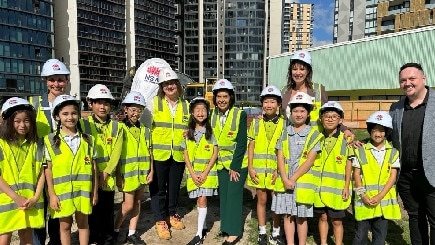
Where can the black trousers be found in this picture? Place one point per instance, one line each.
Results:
(165, 188)
(418, 198)
(379, 227)
(101, 221)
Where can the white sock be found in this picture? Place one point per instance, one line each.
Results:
(262, 229)
(275, 231)
(131, 232)
(202, 213)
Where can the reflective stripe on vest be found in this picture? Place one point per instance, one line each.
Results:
(134, 164)
(264, 159)
(72, 175)
(199, 156)
(374, 178)
(315, 113)
(168, 130)
(332, 179)
(226, 136)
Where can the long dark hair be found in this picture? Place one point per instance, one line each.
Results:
(56, 138)
(192, 123)
(7, 130)
(308, 80)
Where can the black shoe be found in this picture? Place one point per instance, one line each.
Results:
(275, 240)
(262, 239)
(196, 241)
(222, 234)
(111, 239)
(233, 242)
(115, 236)
(204, 233)
(134, 239)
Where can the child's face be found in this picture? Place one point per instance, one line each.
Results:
(68, 116)
(331, 120)
(200, 112)
(134, 112)
(377, 135)
(22, 124)
(299, 115)
(100, 108)
(270, 106)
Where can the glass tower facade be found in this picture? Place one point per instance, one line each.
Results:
(26, 42)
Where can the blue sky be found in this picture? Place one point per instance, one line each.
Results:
(323, 20)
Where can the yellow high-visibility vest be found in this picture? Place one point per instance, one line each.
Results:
(72, 176)
(135, 161)
(43, 114)
(168, 131)
(199, 156)
(23, 181)
(374, 178)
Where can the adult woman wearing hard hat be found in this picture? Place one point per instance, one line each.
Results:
(230, 129)
(56, 74)
(170, 116)
(299, 79)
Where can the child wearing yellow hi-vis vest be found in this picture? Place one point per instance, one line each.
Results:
(200, 154)
(21, 173)
(375, 169)
(263, 135)
(333, 175)
(297, 150)
(135, 168)
(71, 170)
(108, 135)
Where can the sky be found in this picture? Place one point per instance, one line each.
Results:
(323, 20)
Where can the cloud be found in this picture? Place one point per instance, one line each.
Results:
(317, 43)
(324, 16)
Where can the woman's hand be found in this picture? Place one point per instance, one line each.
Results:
(234, 176)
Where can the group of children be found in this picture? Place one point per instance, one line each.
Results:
(308, 169)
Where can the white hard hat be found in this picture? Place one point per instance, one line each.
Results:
(54, 67)
(301, 98)
(63, 99)
(167, 74)
(99, 91)
(334, 105)
(13, 104)
(302, 55)
(198, 100)
(271, 90)
(134, 97)
(382, 118)
(223, 84)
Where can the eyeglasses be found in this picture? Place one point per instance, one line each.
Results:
(332, 117)
(135, 111)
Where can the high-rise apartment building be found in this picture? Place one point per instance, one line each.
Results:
(354, 19)
(100, 40)
(26, 42)
(225, 39)
(297, 26)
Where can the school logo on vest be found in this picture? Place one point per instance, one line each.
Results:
(339, 159)
(230, 134)
(207, 147)
(109, 141)
(87, 160)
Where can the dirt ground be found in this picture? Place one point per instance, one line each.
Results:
(187, 210)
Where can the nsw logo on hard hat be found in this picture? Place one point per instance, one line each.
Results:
(299, 96)
(55, 67)
(12, 102)
(64, 97)
(302, 55)
(270, 90)
(222, 83)
(103, 91)
(168, 74)
(379, 117)
(136, 98)
(331, 104)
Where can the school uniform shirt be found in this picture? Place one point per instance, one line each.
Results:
(285, 203)
(73, 142)
(201, 191)
(378, 154)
